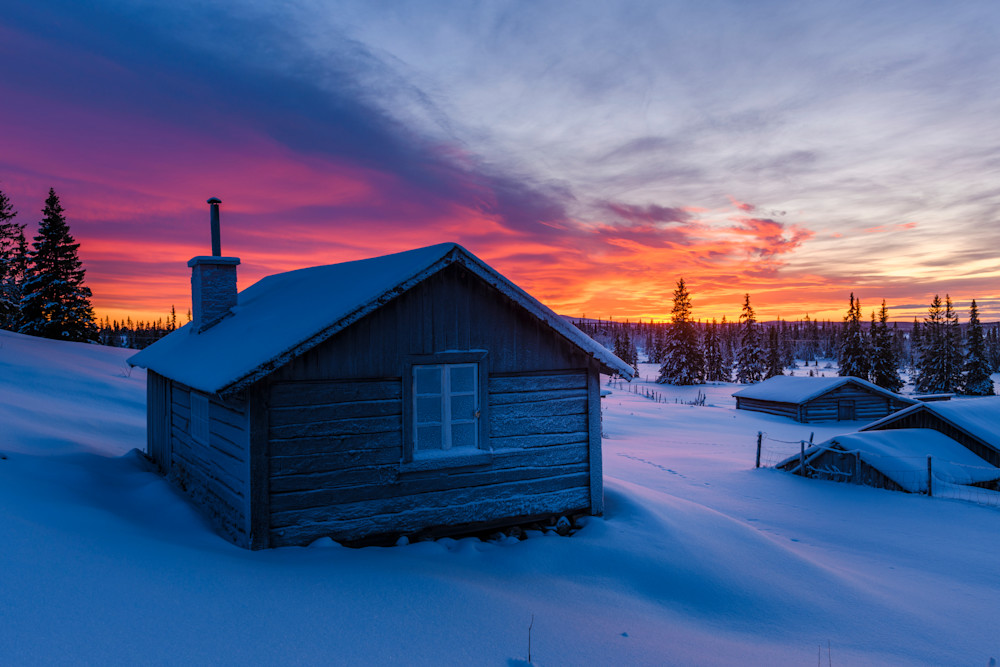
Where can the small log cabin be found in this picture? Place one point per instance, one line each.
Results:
(972, 422)
(894, 459)
(416, 393)
(812, 399)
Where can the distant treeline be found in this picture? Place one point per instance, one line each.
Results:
(941, 354)
(138, 334)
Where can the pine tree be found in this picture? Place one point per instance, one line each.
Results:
(976, 380)
(749, 359)
(952, 361)
(55, 302)
(853, 347)
(774, 365)
(13, 263)
(884, 356)
(683, 361)
(914, 348)
(932, 373)
(993, 348)
(716, 369)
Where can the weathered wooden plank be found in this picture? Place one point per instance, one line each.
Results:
(335, 443)
(212, 478)
(422, 489)
(532, 396)
(229, 439)
(500, 427)
(556, 407)
(210, 463)
(310, 463)
(181, 408)
(330, 479)
(338, 427)
(334, 411)
(291, 394)
(416, 519)
(227, 414)
(524, 383)
(539, 457)
(538, 440)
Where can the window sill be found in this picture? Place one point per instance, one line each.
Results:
(449, 459)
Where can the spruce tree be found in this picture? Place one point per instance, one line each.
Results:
(853, 348)
(932, 372)
(993, 348)
(914, 349)
(55, 302)
(952, 346)
(976, 380)
(774, 365)
(749, 358)
(884, 356)
(683, 361)
(13, 263)
(716, 369)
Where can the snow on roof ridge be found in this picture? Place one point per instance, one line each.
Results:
(270, 325)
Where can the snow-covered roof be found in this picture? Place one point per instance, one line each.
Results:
(979, 417)
(799, 389)
(284, 315)
(901, 455)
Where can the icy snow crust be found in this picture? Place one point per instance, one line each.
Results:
(286, 314)
(901, 455)
(700, 560)
(795, 389)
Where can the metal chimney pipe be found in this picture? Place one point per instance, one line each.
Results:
(216, 234)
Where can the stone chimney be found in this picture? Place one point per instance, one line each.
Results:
(213, 280)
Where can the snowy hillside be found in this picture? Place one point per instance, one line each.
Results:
(701, 559)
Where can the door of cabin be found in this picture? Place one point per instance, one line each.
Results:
(845, 410)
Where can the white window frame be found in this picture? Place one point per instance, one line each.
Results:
(200, 407)
(446, 394)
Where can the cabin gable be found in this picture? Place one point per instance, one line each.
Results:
(339, 442)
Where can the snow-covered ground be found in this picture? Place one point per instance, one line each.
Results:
(700, 560)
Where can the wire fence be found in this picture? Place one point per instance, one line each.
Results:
(652, 394)
(913, 474)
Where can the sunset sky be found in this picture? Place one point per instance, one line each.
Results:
(593, 152)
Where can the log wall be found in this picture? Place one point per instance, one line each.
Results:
(214, 474)
(336, 450)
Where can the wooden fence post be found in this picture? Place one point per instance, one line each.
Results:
(930, 490)
(802, 457)
(759, 436)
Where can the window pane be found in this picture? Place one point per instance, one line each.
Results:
(463, 435)
(428, 437)
(463, 407)
(463, 378)
(428, 409)
(427, 379)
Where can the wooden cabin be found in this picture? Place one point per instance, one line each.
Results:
(895, 459)
(411, 394)
(820, 399)
(972, 422)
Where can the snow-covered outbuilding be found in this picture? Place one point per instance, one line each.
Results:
(819, 399)
(415, 393)
(972, 422)
(896, 460)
